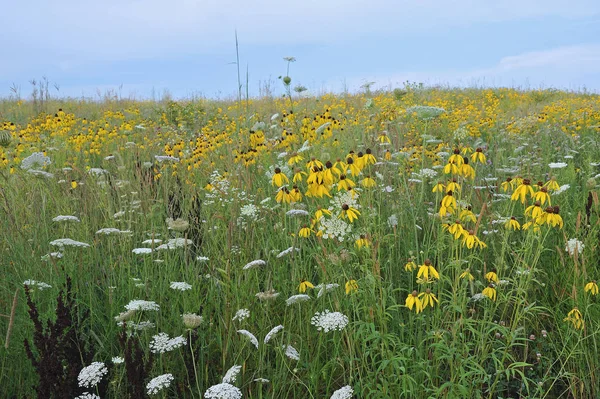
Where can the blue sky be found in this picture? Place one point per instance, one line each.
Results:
(144, 47)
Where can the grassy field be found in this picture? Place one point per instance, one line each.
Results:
(420, 243)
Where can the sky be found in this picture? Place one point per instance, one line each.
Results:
(146, 48)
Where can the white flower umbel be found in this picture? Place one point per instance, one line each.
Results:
(140, 304)
(334, 228)
(175, 243)
(557, 165)
(392, 221)
(36, 284)
(272, 333)
(87, 395)
(343, 393)
(287, 252)
(241, 315)
(574, 245)
(329, 321)
(163, 158)
(291, 352)
(250, 336)
(91, 375)
(142, 251)
(159, 383)
(180, 285)
(118, 360)
(254, 263)
(67, 242)
(297, 299)
(231, 374)
(324, 288)
(223, 391)
(297, 212)
(161, 343)
(66, 218)
(35, 161)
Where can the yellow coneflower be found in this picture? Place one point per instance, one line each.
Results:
(534, 211)
(320, 212)
(522, 191)
(478, 156)
(551, 217)
(345, 183)
(552, 185)
(439, 188)
(283, 195)
(457, 230)
(491, 276)
(314, 163)
(368, 182)
(412, 300)
(467, 275)
(295, 158)
(531, 224)
(73, 184)
(279, 179)
(383, 138)
(453, 186)
(351, 286)
(426, 270)
(591, 287)
(362, 241)
(410, 265)
(349, 212)
(542, 196)
(576, 318)
(490, 292)
(451, 169)
(428, 298)
(512, 224)
(296, 194)
(466, 170)
(467, 215)
(388, 155)
(352, 166)
(470, 240)
(298, 176)
(304, 285)
(508, 184)
(304, 232)
(456, 158)
(369, 157)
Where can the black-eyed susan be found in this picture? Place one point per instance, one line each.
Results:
(296, 194)
(439, 188)
(351, 286)
(304, 232)
(467, 275)
(345, 183)
(591, 287)
(283, 195)
(457, 230)
(369, 157)
(298, 176)
(456, 158)
(551, 217)
(388, 155)
(531, 225)
(314, 163)
(522, 191)
(451, 168)
(73, 184)
(383, 138)
(490, 292)
(410, 265)
(368, 182)
(467, 215)
(304, 285)
(348, 212)
(552, 184)
(453, 186)
(467, 170)
(508, 184)
(427, 271)
(279, 178)
(542, 196)
(352, 167)
(295, 159)
(362, 242)
(412, 300)
(491, 276)
(534, 211)
(471, 241)
(320, 212)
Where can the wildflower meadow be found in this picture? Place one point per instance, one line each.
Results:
(414, 243)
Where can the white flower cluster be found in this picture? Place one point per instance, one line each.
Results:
(36, 284)
(329, 321)
(425, 173)
(291, 352)
(111, 230)
(562, 189)
(159, 383)
(557, 165)
(241, 315)
(91, 375)
(249, 211)
(161, 343)
(341, 198)
(35, 161)
(66, 218)
(67, 242)
(97, 172)
(141, 326)
(87, 395)
(334, 228)
(287, 252)
(343, 393)
(231, 374)
(325, 288)
(140, 304)
(574, 245)
(253, 264)
(175, 243)
(297, 212)
(392, 221)
(180, 285)
(118, 360)
(272, 333)
(163, 158)
(425, 112)
(250, 336)
(142, 251)
(223, 391)
(297, 299)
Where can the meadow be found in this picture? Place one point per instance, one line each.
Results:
(414, 243)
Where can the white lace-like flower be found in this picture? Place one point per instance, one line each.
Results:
(254, 263)
(557, 165)
(163, 158)
(66, 218)
(287, 252)
(272, 333)
(329, 321)
(191, 320)
(231, 374)
(87, 395)
(180, 285)
(392, 221)
(297, 299)
(574, 245)
(291, 352)
(91, 375)
(250, 336)
(142, 251)
(343, 393)
(297, 212)
(161, 343)
(241, 315)
(175, 243)
(159, 383)
(36, 284)
(267, 295)
(324, 288)
(223, 391)
(67, 242)
(118, 360)
(334, 228)
(35, 161)
(140, 304)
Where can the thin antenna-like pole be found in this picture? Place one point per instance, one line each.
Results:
(237, 56)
